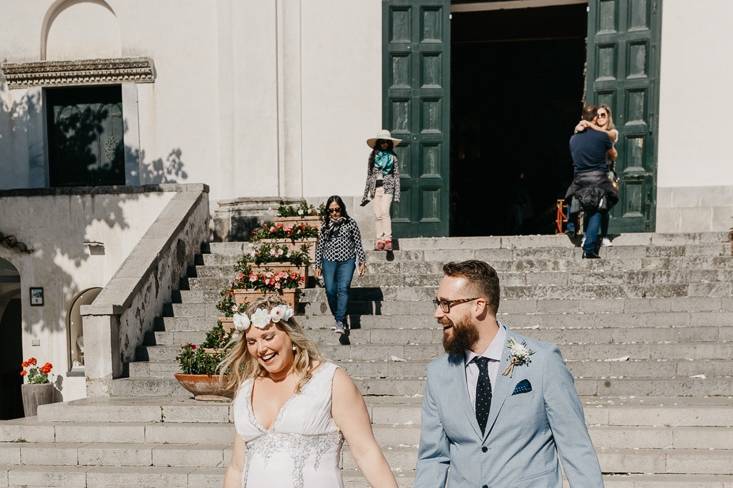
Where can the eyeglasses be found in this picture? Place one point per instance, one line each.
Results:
(446, 305)
(334, 210)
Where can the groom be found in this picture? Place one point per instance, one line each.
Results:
(500, 410)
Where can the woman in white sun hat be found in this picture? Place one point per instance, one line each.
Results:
(382, 185)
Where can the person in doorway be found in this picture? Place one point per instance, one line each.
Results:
(591, 188)
(499, 409)
(382, 185)
(605, 124)
(339, 251)
(293, 410)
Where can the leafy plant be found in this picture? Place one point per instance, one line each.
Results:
(34, 374)
(269, 281)
(278, 230)
(301, 209)
(227, 306)
(205, 358)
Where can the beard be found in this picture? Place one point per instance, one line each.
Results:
(460, 337)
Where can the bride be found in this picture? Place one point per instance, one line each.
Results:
(292, 409)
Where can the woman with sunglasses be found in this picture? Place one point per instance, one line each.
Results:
(338, 253)
(604, 123)
(382, 185)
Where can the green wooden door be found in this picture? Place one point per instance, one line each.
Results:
(416, 84)
(623, 72)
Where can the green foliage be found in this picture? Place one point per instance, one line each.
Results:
(301, 209)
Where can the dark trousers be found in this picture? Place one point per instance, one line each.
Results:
(337, 277)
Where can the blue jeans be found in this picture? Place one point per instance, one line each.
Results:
(593, 225)
(337, 277)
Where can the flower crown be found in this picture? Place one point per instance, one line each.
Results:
(261, 318)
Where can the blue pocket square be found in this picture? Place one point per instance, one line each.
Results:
(523, 386)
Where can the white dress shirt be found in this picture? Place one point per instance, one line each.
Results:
(493, 352)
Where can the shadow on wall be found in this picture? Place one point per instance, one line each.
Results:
(19, 123)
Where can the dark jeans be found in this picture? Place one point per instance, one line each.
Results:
(337, 277)
(605, 219)
(592, 226)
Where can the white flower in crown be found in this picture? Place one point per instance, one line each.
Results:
(281, 312)
(261, 318)
(241, 322)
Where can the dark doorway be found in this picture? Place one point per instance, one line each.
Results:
(11, 355)
(85, 136)
(517, 84)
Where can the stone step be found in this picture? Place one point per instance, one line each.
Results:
(416, 369)
(683, 386)
(434, 335)
(155, 477)
(381, 264)
(115, 454)
(523, 322)
(524, 278)
(599, 411)
(383, 352)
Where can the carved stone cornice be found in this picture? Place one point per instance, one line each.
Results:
(82, 72)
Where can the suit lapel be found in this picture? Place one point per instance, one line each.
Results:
(459, 379)
(502, 387)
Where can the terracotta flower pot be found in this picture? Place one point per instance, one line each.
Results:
(290, 295)
(37, 394)
(205, 387)
(227, 323)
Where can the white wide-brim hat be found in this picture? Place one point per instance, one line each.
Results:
(383, 135)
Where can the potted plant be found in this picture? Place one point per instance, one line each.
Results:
(300, 213)
(292, 236)
(37, 389)
(247, 287)
(199, 366)
(275, 257)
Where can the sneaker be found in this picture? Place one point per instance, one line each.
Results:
(388, 245)
(606, 242)
(339, 328)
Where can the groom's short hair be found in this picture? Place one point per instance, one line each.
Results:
(481, 275)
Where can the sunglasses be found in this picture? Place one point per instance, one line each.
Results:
(602, 116)
(334, 210)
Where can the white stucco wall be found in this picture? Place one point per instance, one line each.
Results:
(695, 166)
(57, 228)
(254, 98)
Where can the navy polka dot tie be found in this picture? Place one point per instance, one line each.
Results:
(483, 392)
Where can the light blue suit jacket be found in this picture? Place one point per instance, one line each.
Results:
(527, 434)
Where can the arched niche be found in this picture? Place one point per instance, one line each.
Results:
(74, 329)
(80, 29)
(11, 342)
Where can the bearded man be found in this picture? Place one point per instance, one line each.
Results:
(500, 410)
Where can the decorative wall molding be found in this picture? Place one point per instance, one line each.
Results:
(82, 72)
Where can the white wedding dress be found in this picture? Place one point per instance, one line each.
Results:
(302, 448)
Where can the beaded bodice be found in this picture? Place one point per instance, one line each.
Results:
(303, 445)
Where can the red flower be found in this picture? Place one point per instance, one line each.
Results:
(32, 361)
(193, 346)
(46, 368)
(25, 364)
(23, 373)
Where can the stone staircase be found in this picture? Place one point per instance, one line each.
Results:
(647, 331)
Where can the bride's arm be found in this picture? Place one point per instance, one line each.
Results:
(233, 476)
(351, 416)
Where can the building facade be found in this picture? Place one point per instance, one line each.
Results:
(275, 98)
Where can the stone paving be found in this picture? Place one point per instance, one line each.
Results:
(647, 332)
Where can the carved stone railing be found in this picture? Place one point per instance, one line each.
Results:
(116, 322)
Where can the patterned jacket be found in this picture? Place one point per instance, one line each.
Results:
(391, 183)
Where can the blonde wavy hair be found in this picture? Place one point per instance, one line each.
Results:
(239, 365)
